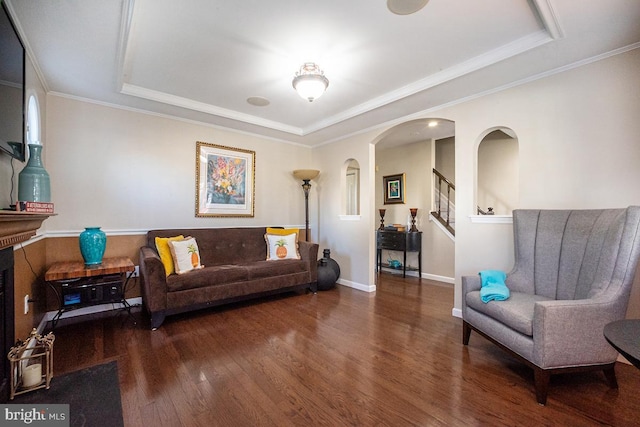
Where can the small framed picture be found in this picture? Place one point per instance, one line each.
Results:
(393, 188)
(225, 181)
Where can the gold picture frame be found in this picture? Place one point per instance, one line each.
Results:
(225, 181)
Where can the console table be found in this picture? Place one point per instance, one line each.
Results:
(399, 241)
(77, 285)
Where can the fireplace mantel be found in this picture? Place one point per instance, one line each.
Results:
(16, 227)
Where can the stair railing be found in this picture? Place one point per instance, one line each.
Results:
(449, 187)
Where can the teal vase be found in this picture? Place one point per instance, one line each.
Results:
(33, 181)
(93, 242)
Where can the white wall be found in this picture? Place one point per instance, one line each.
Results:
(578, 141)
(131, 171)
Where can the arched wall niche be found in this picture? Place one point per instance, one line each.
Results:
(497, 172)
(351, 187)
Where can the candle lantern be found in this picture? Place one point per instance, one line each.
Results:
(31, 363)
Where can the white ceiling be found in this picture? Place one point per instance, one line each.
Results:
(201, 59)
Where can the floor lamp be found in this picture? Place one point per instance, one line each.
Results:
(306, 175)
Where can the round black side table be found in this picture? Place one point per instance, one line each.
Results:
(624, 336)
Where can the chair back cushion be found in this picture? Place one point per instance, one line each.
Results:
(575, 254)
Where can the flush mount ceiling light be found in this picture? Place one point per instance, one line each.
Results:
(406, 7)
(310, 82)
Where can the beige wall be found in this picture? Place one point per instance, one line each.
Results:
(446, 158)
(348, 238)
(127, 171)
(414, 160)
(576, 130)
(498, 173)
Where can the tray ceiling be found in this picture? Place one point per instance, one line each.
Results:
(201, 60)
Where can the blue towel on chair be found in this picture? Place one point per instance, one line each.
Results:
(493, 286)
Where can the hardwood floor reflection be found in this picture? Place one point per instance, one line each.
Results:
(341, 357)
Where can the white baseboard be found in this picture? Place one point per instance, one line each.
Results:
(427, 276)
(437, 278)
(355, 285)
(86, 310)
(456, 312)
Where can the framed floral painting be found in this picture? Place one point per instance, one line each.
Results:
(225, 181)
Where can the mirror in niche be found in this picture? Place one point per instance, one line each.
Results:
(352, 187)
(498, 173)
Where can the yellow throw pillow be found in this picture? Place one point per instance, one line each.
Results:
(186, 256)
(282, 246)
(162, 245)
(283, 231)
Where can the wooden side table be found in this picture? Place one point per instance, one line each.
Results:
(77, 285)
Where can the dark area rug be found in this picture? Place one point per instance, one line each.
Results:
(93, 395)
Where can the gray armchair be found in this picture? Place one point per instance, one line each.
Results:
(573, 274)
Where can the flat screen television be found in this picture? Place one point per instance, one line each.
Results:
(12, 91)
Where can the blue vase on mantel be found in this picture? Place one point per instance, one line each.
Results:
(33, 181)
(93, 242)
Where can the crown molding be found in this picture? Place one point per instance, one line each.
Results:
(178, 101)
(549, 18)
(494, 56)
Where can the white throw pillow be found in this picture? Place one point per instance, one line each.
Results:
(186, 255)
(282, 247)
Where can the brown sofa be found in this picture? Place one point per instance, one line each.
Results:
(235, 268)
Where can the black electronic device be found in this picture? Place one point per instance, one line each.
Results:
(91, 291)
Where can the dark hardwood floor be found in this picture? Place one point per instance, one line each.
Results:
(341, 357)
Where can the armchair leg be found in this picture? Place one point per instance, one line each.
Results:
(610, 374)
(541, 378)
(466, 333)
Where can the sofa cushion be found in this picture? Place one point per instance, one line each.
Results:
(208, 276)
(281, 247)
(283, 231)
(164, 251)
(515, 312)
(186, 256)
(261, 269)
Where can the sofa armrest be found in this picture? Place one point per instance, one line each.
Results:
(309, 253)
(570, 332)
(153, 280)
